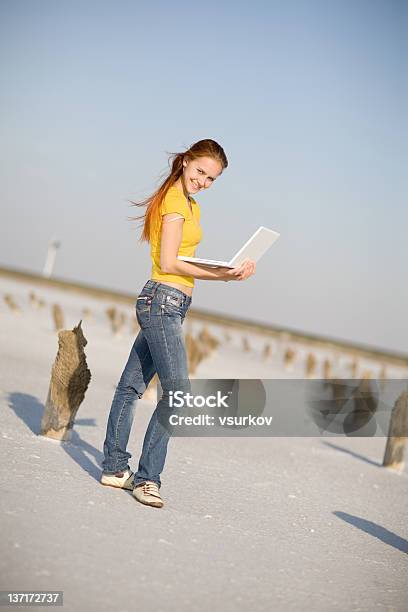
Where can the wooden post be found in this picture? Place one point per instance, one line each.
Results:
(245, 344)
(327, 369)
(11, 303)
(116, 318)
(311, 363)
(58, 317)
(207, 341)
(70, 378)
(33, 298)
(289, 358)
(195, 354)
(267, 350)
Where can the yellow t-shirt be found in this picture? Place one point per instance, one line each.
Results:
(176, 202)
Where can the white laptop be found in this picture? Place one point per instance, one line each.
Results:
(254, 248)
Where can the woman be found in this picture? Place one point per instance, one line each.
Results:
(171, 224)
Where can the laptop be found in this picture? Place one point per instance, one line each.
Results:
(254, 248)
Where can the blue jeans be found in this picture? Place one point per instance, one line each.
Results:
(159, 347)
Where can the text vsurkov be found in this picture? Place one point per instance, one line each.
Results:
(245, 420)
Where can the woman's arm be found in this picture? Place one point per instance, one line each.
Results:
(172, 228)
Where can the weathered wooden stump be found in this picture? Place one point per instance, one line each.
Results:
(245, 344)
(383, 372)
(267, 351)
(207, 339)
(354, 368)
(327, 369)
(207, 343)
(289, 358)
(111, 314)
(32, 298)
(9, 300)
(195, 353)
(58, 317)
(311, 363)
(70, 378)
(117, 319)
(397, 434)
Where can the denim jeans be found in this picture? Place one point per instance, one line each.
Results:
(159, 347)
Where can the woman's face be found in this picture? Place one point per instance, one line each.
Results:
(200, 173)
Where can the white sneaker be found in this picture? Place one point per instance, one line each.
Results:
(148, 493)
(120, 480)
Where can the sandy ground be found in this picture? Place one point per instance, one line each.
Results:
(249, 524)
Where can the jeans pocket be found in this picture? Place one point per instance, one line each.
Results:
(174, 300)
(143, 309)
(172, 305)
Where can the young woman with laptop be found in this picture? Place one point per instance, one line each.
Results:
(171, 224)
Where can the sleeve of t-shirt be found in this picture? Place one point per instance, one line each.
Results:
(173, 204)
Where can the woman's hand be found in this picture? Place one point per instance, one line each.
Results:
(242, 272)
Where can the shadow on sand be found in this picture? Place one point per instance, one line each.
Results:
(352, 453)
(30, 411)
(386, 536)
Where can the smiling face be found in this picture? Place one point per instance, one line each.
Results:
(200, 173)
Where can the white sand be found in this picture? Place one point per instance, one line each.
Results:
(249, 523)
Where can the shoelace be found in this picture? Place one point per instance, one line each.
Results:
(151, 488)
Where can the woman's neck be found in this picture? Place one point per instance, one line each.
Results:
(179, 184)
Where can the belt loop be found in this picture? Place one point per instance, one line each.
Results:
(155, 287)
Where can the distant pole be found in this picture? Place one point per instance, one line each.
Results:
(50, 259)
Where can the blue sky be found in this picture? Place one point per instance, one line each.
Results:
(308, 100)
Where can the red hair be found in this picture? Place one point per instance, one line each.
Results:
(202, 148)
